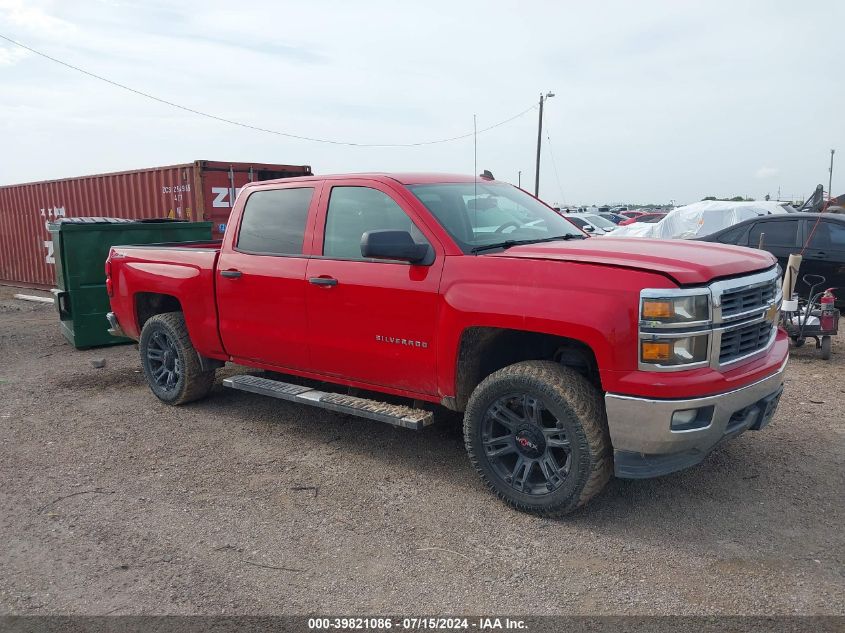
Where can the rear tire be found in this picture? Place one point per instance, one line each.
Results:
(826, 347)
(537, 434)
(170, 362)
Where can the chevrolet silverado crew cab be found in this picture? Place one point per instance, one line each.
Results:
(571, 358)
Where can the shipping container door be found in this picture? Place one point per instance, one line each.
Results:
(222, 183)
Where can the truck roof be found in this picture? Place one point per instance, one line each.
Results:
(411, 178)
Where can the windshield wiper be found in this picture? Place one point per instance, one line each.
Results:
(510, 243)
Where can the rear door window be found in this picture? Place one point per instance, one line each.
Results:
(273, 221)
(783, 233)
(827, 235)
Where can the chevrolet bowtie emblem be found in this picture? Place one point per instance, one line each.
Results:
(772, 312)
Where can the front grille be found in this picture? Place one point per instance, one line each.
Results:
(744, 341)
(745, 300)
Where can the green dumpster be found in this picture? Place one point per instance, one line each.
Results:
(80, 247)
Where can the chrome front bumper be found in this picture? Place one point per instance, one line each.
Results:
(646, 445)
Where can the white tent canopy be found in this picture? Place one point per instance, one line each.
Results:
(701, 218)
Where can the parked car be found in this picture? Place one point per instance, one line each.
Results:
(571, 359)
(647, 218)
(632, 214)
(783, 235)
(603, 223)
(613, 217)
(591, 223)
(701, 218)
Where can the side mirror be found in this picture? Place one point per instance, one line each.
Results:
(398, 245)
(589, 229)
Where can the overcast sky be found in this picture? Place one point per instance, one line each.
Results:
(654, 100)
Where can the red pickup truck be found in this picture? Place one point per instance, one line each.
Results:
(571, 358)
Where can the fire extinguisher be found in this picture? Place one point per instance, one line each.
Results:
(826, 301)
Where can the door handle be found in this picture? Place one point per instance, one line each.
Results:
(323, 281)
(230, 274)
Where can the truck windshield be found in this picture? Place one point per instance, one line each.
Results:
(481, 214)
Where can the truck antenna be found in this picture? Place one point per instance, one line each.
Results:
(475, 167)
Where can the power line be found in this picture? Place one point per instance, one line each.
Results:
(255, 127)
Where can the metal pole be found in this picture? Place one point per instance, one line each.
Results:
(830, 178)
(231, 186)
(519, 179)
(539, 141)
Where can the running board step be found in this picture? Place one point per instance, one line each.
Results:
(395, 414)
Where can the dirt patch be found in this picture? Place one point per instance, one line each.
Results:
(115, 503)
(102, 379)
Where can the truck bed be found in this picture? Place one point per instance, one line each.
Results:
(183, 271)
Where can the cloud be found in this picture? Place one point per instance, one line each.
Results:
(276, 49)
(11, 56)
(766, 172)
(32, 19)
(368, 73)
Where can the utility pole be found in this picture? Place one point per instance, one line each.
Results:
(519, 179)
(830, 178)
(543, 97)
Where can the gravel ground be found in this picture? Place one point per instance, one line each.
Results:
(113, 503)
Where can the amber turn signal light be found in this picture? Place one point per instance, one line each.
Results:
(657, 309)
(656, 351)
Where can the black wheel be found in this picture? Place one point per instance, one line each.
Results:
(537, 434)
(170, 362)
(826, 346)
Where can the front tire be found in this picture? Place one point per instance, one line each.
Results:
(170, 362)
(537, 434)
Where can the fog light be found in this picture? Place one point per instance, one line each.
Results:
(689, 419)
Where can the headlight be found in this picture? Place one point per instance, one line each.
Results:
(675, 310)
(674, 328)
(667, 351)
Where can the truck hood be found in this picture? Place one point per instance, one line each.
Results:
(686, 262)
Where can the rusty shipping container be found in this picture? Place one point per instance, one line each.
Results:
(202, 190)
